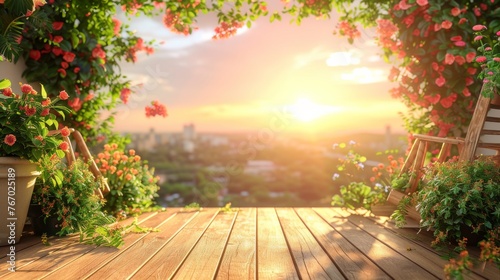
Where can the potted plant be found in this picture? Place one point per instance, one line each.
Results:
(460, 199)
(67, 203)
(25, 122)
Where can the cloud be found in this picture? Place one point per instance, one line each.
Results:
(316, 54)
(365, 75)
(351, 57)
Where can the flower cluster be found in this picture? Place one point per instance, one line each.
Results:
(25, 122)
(436, 67)
(489, 59)
(132, 183)
(156, 109)
(226, 30)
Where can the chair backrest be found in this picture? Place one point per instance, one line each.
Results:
(484, 129)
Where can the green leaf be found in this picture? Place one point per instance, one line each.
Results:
(44, 93)
(4, 83)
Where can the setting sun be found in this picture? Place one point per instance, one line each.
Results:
(305, 110)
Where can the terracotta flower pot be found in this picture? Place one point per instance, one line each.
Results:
(17, 179)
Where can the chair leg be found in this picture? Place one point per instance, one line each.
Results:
(417, 167)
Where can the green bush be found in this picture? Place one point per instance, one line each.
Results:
(461, 197)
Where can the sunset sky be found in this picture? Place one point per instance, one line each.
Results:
(315, 80)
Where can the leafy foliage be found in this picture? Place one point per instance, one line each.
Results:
(461, 196)
(67, 192)
(132, 183)
(25, 122)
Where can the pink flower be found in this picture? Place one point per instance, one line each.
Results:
(446, 24)
(10, 139)
(478, 37)
(456, 38)
(63, 95)
(469, 57)
(481, 59)
(449, 59)
(460, 44)
(455, 11)
(462, 21)
(117, 25)
(448, 101)
(460, 60)
(124, 95)
(422, 2)
(440, 81)
(478, 27)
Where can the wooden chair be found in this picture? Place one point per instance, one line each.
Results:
(483, 138)
(84, 151)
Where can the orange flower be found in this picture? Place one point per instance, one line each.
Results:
(10, 139)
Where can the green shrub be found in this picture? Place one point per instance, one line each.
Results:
(461, 197)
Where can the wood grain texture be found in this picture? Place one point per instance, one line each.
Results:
(203, 260)
(353, 263)
(125, 264)
(390, 260)
(273, 257)
(99, 257)
(311, 260)
(167, 260)
(239, 259)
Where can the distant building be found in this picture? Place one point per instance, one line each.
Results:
(259, 167)
(148, 141)
(188, 137)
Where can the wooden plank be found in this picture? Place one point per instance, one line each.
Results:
(27, 240)
(166, 261)
(97, 258)
(38, 261)
(239, 259)
(353, 263)
(418, 254)
(475, 127)
(311, 260)
(125, 264)
(424, 238)
(273, 257)
(211, 246)
(391, 261)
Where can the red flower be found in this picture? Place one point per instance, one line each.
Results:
(440, 81)
(35, 55)
(422, 2)
(62, 72)
(57, 51)
(455, 11)
(156, 109)
(25, 88)
(69, 56)
(10, 139)
(75, 104)
(460, 60)
(30, 111)
(58, 39)
(449, 58)
(64, 64)
(462, 21)
(64, 146)
(456, 38)
(466, 92)
(7, 92)
(57, 25)
(448, 101)
(45, 112)
(481, 59)
(76, 70)
(460, 44)
(124, 95)
(471, 70)
(116, 28)
(65, 131)
(469, 57)
(433, 99)
(63, 95)
(446, 24)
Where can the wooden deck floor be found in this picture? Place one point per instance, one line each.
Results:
(252, 243)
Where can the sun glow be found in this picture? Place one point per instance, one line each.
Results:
(305, 110)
